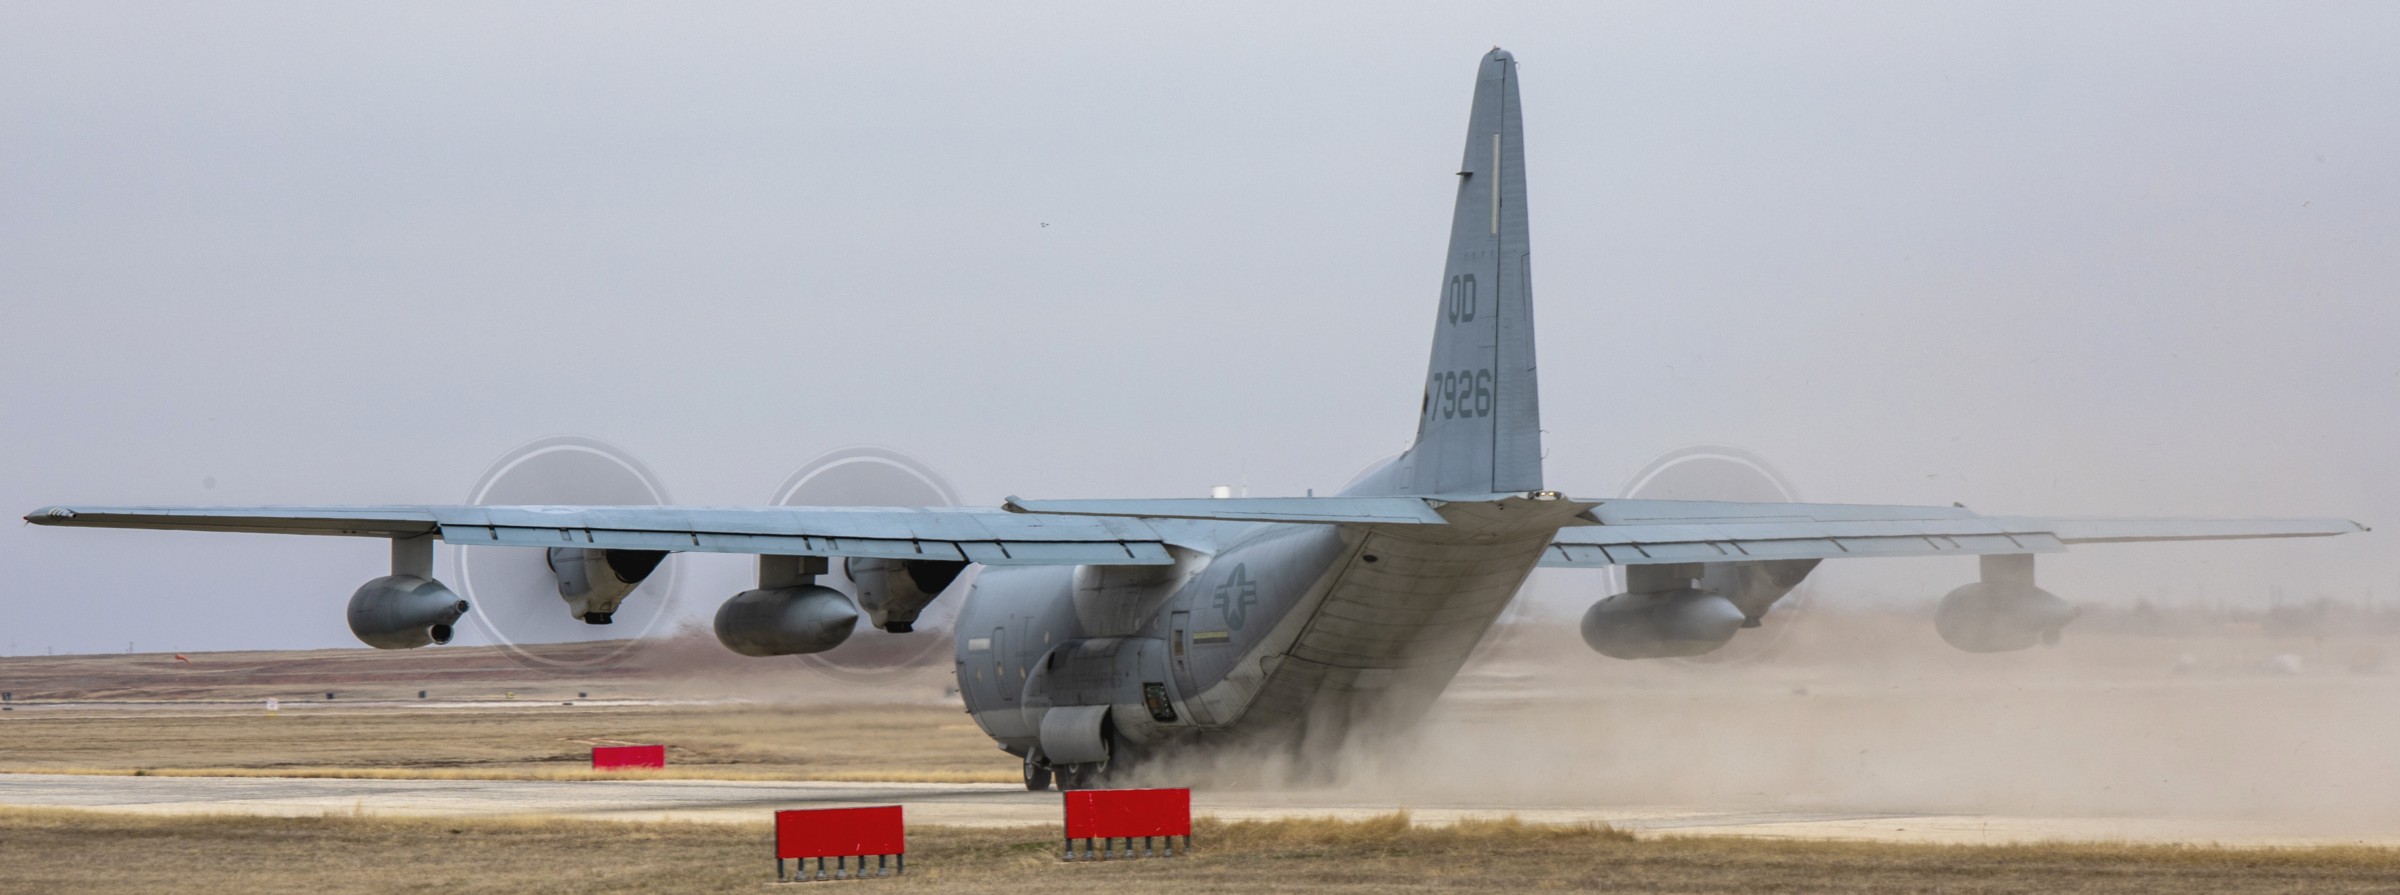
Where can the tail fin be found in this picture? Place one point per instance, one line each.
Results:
(1481, 427)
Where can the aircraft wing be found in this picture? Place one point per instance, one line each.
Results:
(1643, 532)
(1629, 532)
(988, 536)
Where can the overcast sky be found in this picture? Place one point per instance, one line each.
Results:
(2073, 258)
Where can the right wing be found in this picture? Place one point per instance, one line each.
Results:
(1646, 532)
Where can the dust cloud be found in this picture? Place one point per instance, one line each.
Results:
(2281, 716)
(2278, 716)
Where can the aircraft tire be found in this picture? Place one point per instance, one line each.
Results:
(1037, 774)
(1089, 774)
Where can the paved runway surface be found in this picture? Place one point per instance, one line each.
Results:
(1010, 805)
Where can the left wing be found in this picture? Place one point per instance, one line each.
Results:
(988, 536)
(1648, 532)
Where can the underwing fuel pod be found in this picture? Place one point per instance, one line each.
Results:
(406, 609)
(2002, 612)
(789, 613)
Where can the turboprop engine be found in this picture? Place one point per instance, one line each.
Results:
(526, 596)
(595, 582)
(789, 613)
(2004, 611)
(895, 591)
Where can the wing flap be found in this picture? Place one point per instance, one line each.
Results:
(1573, 555)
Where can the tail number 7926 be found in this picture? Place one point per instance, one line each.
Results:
(1461, 393)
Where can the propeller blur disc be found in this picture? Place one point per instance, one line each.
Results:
(1547, 608)
(515, 596)
(877, 477)
(1720, 472)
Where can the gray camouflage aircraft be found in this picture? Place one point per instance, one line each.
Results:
(1100, 632)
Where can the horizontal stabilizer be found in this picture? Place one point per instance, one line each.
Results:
(1324, 510)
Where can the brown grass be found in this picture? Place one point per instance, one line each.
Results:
(47, 850)
(904, 743)
(880, 776)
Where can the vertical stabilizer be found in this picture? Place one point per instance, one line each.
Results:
(1480, 427)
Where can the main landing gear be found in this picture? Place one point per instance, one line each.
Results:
(1089, 775)
(1037, 771)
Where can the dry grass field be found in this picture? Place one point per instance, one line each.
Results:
(69, 852)
(503, 741)
(688, 666)
(485, 717)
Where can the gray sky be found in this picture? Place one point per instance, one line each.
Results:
(2072, 258)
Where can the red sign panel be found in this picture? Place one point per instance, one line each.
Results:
(839, 832)
(611, 758)
(1128, 813)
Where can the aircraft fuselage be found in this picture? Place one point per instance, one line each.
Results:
(1306, 632)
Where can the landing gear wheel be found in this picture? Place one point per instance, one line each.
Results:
(1086, 775)
(1037, 773)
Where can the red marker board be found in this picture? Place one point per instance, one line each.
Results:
(1128, 813)
(611, 758)
(839, 832)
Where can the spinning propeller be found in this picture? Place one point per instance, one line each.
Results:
(867, 476)
(1698, 472)
(610, 595)
(1719, 472)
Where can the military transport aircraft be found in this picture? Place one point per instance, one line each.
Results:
(1104, 631)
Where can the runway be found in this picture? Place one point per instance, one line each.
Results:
(1010, 805)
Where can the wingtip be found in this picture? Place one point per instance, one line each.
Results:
(50, 515)
(1011, 504)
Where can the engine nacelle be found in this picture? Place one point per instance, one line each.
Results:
(1997, 617)
(1661, 624)
(782, 621)
(1753, 585)
(595, 582)
(894, 591)
(404, 612)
